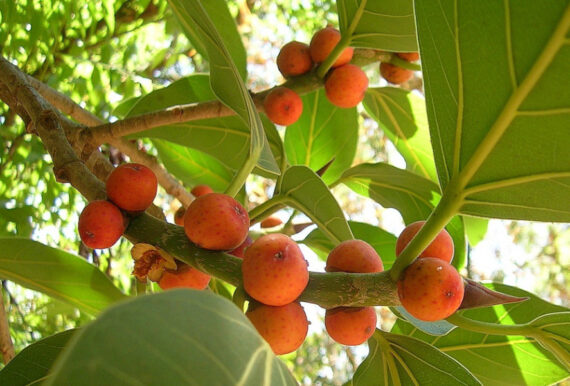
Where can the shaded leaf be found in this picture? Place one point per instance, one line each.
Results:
(401, 360)
(172, 338)
(496, 359)
(475, 229)
(323, 133)
(32, 364)
(56, 273)
(304, 190)
(384, 25)
(499, 127)
(402, 116)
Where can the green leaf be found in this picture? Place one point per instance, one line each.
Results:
(402, 115)
(226, 138)
(56, 273)
(304, 190)
(555, 335)
(384, 25)
(193, 167)
(499, 127)
(475, 228)
(32, 364)
(496, 359)
(413, 196)
(225, 80)
(401, 360)
(323, 133)
(177, 337)
(225, 24)
(384, 243)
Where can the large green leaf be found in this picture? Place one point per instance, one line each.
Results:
(56, 273)
(322, 134)
(304, 190)
(226, 138)
(381, 24)
(401, 360)
(177, 337)
(384, 243)
(227, 29)
(32, 364)
(496, 359)
(499, 125)
(413, 196)
(402, 116)
(192, 166)
(225, 79)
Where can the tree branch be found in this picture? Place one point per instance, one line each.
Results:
(6, 344)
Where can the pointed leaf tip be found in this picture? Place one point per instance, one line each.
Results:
(477, 295)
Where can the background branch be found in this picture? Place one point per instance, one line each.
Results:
(6, 344)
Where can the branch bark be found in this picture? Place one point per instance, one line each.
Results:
(6, 344)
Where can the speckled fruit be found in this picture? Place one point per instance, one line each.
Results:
(184, 277)
(408, 56)
(283, 106)
(271, 222)
(350, 326)
(395, 74)
(284, 327)
(200, 190)
(239, 251)
(132, 187)
(430, 289)
(354, 256)
(322, 44)
(101, 224)
(274, 270)
(216, 221)
(179, 216)
(346, 85)
(294, 59)
(441, 247)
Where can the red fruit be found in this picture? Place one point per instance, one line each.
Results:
(441, 247)
(430, 289)
(274, 270)
(346, 85)
(179, 216)
(322, 44)
(132, 187)
(271, 222)
(239, 251)
(350, 326)
(354, 256)
(283, 106)
(216, 221)
(184, 277)
(395, 74)
(294, 59)
(284, 327)
(408, 56)
(101, 224)
(200, 190)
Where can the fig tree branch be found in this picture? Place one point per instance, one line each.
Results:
(6, 344)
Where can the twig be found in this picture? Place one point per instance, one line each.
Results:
(6, 344)
(69, 107)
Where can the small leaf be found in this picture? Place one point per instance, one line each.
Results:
(177, 337)
(305, 191)
(402, 115)
(56, 273)
(323, 133)
(32, 364)
(401, 360)
(384, 25)
(475, 229)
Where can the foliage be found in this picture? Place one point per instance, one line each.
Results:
(488, 140)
